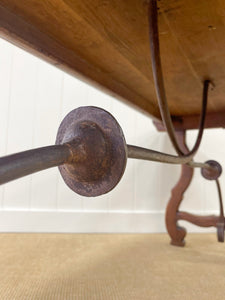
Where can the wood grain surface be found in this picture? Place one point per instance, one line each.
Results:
(106, 43)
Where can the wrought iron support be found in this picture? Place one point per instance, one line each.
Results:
(176, 232)
(160, 89)
(91, 152)
(173, 215)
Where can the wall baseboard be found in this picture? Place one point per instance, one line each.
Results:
(88, 222)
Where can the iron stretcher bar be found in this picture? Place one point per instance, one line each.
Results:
(27, 162)
(24, 163)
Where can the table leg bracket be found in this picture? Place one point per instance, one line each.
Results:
(173, 215)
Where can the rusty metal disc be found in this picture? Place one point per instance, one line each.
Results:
(212, 173)
(100, 151)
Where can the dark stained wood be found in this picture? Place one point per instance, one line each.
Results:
(106, 43)
(177, 233)
(173, 215)
(203, 221)
(213, 120)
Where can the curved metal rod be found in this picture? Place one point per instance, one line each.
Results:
(221, 221)
(27, 162)
(220, 199)
(147, 154)
(160, 89)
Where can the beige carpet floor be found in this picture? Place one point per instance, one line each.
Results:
(110, 266)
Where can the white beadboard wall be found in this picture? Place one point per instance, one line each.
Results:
(34, 98)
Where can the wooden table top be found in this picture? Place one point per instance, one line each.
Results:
(106, 43)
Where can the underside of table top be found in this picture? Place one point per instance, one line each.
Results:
(107, 44)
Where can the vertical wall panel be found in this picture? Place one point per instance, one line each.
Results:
(48, 103)
(21, 105)
(35, 97)
(127, 120)
(6, 62)
(147, 184)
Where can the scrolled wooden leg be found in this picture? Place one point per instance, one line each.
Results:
(176, 232)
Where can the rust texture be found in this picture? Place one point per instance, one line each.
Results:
(100, 151)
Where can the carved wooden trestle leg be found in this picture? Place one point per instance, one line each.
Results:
(173, 215)
(176, 232)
